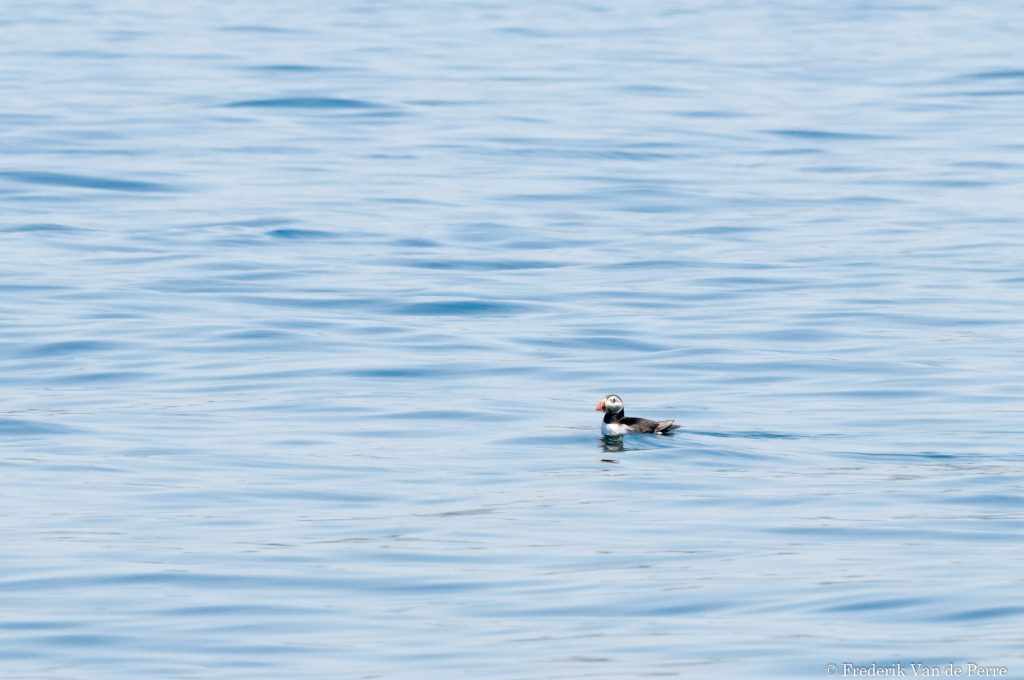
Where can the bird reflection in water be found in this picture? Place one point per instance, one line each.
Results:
(612, 444)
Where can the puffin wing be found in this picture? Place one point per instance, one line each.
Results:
(641, 424)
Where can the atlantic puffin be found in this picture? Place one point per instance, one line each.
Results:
(616, 423)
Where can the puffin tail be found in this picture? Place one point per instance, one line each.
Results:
(665, 426)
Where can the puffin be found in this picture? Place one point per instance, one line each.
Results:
(616, 423)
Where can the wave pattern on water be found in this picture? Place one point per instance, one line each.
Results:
(305, 313)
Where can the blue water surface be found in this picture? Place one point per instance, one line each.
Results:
(305, 310)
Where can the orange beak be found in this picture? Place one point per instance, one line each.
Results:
(600, 406)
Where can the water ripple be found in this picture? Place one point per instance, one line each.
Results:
(85, 182)
(19, 427)
(306, 103)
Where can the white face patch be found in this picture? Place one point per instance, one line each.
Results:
(612, 404)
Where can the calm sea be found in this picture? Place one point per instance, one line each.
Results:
(305, 310)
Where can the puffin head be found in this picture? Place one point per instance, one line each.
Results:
(610, 404)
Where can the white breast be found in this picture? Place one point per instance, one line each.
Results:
(613, 429)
